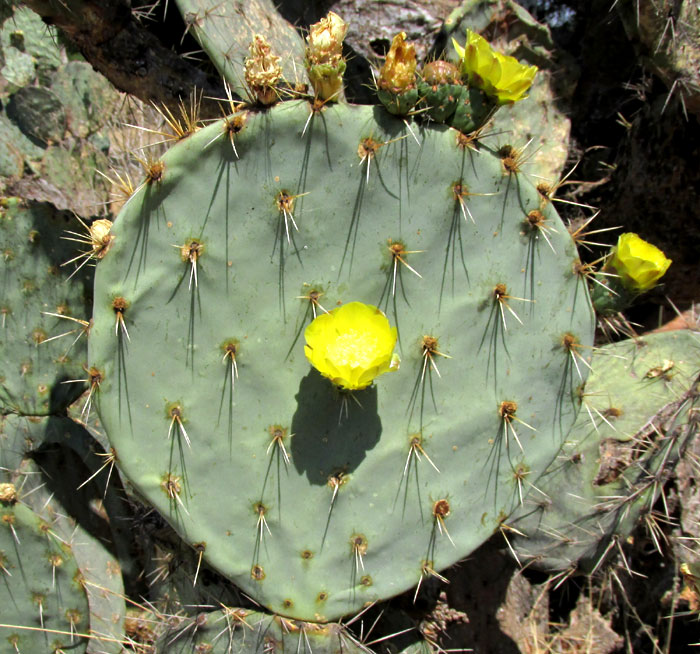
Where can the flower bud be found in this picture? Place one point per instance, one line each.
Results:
(325, 40)
(262, 71)
(638, 263)
(324, 56)
(398, 74)
(8, 493)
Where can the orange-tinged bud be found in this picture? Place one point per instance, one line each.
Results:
(398, 74)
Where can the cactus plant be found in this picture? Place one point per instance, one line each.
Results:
(666, 33)
(216, 268)
(239, 630)
(54, 118)
(35, 460)
(544, 116)
(28, 47)
(43, 580)
(333, 347)
(225, 32)
(37, 306)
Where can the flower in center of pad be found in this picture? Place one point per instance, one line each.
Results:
(351, 345)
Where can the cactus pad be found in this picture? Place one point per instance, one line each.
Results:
(640, 409)
(45, 607)
(35, 457)
(313, 500)
(34, 286)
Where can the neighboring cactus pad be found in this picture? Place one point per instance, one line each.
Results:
(42, 586)
(312, 500)
(33, 286)
(224, 31)
(640, 407)
(35, 457)
(241, 631)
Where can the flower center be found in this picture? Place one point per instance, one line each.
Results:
(354, 348)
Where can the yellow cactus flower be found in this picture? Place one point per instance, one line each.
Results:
(351, 345)
(398, 74)
(324, 62)
(639, 264)
(499, 76)
(325, 40)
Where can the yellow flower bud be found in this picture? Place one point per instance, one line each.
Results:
(351, 345)
(324, 57)
(639, 264)
(325, 40)
(499, 76)
(100, 237)
(262, 71)
(398, 74)
(8, 493)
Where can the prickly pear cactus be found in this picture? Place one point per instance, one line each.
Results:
(239, 631)
(316, 501)
(667, 35)
(34, 459)
(42, 374)
(640, 409)
(55, 116)
(225, 32)
(45, 600)
(544, 115)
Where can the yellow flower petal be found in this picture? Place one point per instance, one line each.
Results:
(499, 76)
(639, 264)
(398, 74)
(458, 48)
(351, 345)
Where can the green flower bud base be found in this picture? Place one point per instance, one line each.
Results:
(466, 109)
(399, 104)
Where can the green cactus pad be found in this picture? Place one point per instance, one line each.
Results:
(44, 606)
(39, 113)
(25, 31)
(27, 47)
(34, 285)
(640, 409)
(242, 631)
(37, 455)
(16, 149)
(225, 31)
(223, 256)
(88, 99)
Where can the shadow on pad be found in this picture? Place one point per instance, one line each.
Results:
(324, 443)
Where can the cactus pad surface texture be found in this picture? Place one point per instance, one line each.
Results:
(316, 501)
(51, 483)
(641, 402)
(38, 304)
(42, 586)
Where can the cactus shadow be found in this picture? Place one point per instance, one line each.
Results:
(151, 206)
(69, 454)
(323, 443)
(453, 248)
